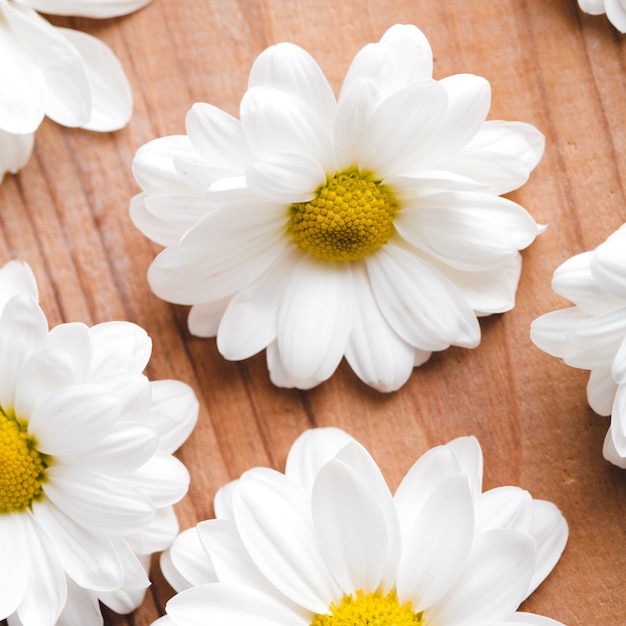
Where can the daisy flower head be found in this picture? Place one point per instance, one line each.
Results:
(66, 75)
(367, 226)
(591, 334)
(87, 477)
(615, 11)
(327, 544)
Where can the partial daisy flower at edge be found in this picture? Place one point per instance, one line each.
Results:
(591, 334)
(87, 477)
(368, 227)
(66, 75)
(327, 544)
(615, 11)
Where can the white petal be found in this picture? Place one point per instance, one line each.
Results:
(427, 473)
(291, 69)
(17, 277)
(153, 165)
(229, 605)
(278, 533)
(311, 451)
(275, 121)
(469, 456)
(204, 318)
(73, 339)
(44, 373)
(469, 99)
(13, 546)
(494, 582)
(501, 155)
(118, 346)
(601, 390)
(616, 12)
(23, 330)
(419, 303)
(436, 547)
(400, 131)
(46, 591)
(158, 230)
(22, 82)
(315, 317)
(74, 419)
(550, 332)
(402, 57)
(351, 527)
(504, 507)
(376, 353)
(530, 619)
(103, 504)
(467, 230)
(594, 7)
(618, 367)
(608, 262)
(87, 8)
(281, 377)
(285, 177)
(225, 252)
(15, 151)
(110, 93)
(249, 323)
(356, 108)
(163, 478)
(610, 452)
(158, 535)
(179, 212)
(91, 561)
(218, 137)
(618, 422)
(488, 291)
(550, 531)
(186, 564)
(174, 413)
(81, 607)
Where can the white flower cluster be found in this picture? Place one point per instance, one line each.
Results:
(68, 76)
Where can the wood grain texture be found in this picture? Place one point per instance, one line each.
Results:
(66, 213)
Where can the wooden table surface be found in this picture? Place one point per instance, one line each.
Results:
(66, 213)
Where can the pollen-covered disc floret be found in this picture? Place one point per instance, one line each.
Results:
(350, 217)
(370, 609)
(22, 467)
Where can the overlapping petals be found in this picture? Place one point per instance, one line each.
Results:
(68, 76)
(220, 200)
(592, 334)
(107, 435)
(286, 547)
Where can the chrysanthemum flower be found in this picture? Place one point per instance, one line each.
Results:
(87, 476)
(368, 227)
(592, 334)
(615, 10)
(68, 76)
(326, 544)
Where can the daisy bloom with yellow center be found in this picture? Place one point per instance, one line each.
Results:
(48, 71)
(368, 226)
(591, 335)
(327, 544)
(87, 477)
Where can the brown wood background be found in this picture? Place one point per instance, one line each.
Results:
(66, 213)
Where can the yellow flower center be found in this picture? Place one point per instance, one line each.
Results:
(350, 217)
(370, 609)
(22, 467)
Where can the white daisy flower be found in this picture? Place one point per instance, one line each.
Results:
(368, 227)
(326, 544)
(615, 10)
(68, 76)
(87, 476)
(592, 334)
